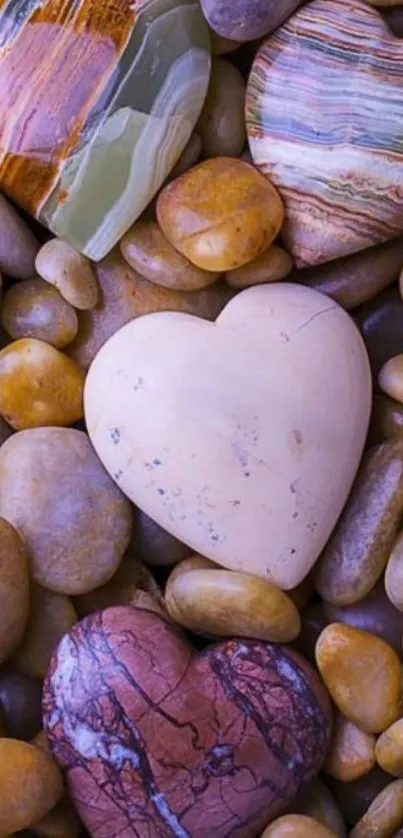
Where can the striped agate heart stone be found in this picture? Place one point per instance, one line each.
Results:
(325, 124)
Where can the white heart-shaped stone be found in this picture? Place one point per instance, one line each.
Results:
(241, 437)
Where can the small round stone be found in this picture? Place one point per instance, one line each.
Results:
(384, 816)
(391, 378)
(351, 753)
(273, 264)
(223, 603)
(394, 574)
(74, 520)
(30, 785)
(389, 749)
(221, 126)
(60, 264)
(35, 309)
(20, 703)
(246, 20)
(362, 674)
(14, 589)
(148, 251)
(51, 616)
(220, 214)
(39, 385)
(297, 826)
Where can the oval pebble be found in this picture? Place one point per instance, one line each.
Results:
(18, 245)
(391, 378)
(14, 589)
(35, 309)
(351, 753)
(51, 615)
(69, 271)
(297, 826)
(384, 815)
(317, 801)
(30, 785)
(389, 749)
(221, 126)
(375, 614)
(20, 703)
(273, 264)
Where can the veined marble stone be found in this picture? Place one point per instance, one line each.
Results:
(325, 124)
(97, 102)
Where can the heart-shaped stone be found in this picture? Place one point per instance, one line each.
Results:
(241, 437)
(159, 741)
(324, 117)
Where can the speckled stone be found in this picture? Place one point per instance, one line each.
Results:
(337, 161)
(155, 749)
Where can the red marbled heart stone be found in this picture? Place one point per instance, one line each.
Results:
(160, 741)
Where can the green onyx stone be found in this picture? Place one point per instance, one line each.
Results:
(98, 102)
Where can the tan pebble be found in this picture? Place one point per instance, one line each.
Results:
(60, 822)
(14, 589)
(351, 753)
(51, 616)
(39, 385)
(148, 251)
(74, 520)
(221, 125)
(358, 549)
(384, 815)
(297, 826)
(223, 603)
(35, 309)
(362, 674)
(394, 574)
(316, 800)
(60, 264)
(220, 214)
(18, 245)
(121, 589)
(389, 749)
(30, 785)
(391, 378)
(272, 265)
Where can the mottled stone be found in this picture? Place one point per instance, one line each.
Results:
(356, 554)
(226, 737)
(34, 309)
(389, 749)
(384, 815)
(20, 703)
(362, 674)
(246, 20)
(85, 143)
(375, 614)
(221, 126)
(357, 278)
(317, 801)
(380, 322)
(351, 753)
(297, 826)
(340, 176)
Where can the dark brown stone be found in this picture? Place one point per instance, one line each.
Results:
(154, 545)
(20, 702)
(394, 19)
(355, 797)
(381, 324)
(386, 419)
(313, 621)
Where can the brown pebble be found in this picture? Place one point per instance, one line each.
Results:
(74, 520)
(303, 593)
(357, 278)
(220, 214)
(362, 674)
(60, 822)
(355, 556)
(317, 801)
(394, 18)
(39, 385)
(351, 753)
(380, 321)
(130, 577)
(223, 603)
(14, 589)
(221, 126)
(72, 273)
(30, 785)
(35, 309)
(375, 614)
(21, 704)
(390, 378)
(124, 295)
(384, 815)
(297, 826)
(148, 251)
(51, 616)
(273, 264)
(18, 245)
(394, 574)
(386, 419)
(361, 793)
(154, 545)
(389, 749)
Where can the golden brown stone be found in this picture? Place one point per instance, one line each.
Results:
(14, 589)
(223, 603)
(39, 385)
(148, 251)
(74, 520)
(386, 419)
(362, 674)
(220, 214)
(273, 264)
(35, 309)
(51, 616)
(124, 295)
(351, 753)
(359, 547)
(60, 264)
(391, 378)
(30, 785)
(130, 578)
(384, 815)
(394, 574)
(221, 126)
(297, 826)
(375, 614)
(317, 801)
(389, 749)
